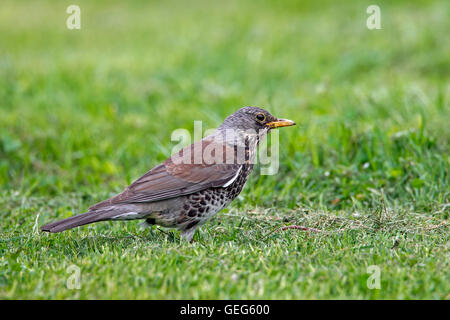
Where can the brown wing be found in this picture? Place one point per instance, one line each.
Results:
(200, 166)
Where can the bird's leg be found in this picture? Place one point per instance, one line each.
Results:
(188, 234)
(147, 223)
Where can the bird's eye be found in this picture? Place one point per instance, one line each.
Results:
(260, 117)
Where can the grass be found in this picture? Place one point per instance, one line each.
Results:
(85, 112)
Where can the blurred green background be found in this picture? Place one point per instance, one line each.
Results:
(85, 112)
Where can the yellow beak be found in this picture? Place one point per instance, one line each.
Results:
(281, 123)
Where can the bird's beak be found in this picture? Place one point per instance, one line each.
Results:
(281, 123)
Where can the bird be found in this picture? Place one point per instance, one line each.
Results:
(193, 184)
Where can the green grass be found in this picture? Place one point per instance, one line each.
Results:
(83, 113)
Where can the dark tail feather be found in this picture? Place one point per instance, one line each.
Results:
(75, 221)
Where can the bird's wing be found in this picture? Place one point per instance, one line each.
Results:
(202, 165)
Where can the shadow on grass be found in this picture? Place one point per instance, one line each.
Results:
(77, 245)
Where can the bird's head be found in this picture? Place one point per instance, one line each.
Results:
(254, 118)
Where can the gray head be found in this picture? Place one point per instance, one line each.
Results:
(254, 118)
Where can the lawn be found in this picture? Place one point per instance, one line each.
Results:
(85, 112)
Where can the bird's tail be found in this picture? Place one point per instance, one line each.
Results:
(75, 221)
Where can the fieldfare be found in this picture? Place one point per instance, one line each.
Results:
(192, 185)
